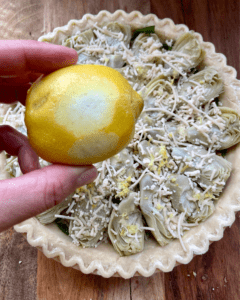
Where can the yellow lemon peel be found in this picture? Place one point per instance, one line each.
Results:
(82, 114)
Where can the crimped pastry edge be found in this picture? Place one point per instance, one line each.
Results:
(103, 260)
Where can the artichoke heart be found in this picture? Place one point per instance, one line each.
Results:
(177, 130)
(202, 212)
(90, 220)
(123, 158)
(202, 87)
(209, 171)
(125, 227)
(116, 32)
(115, 61)
(78, 42)
(196, 204)
(181, 193)
(153, 216)
(231, 134)
(146, 44)
(157, 87)
(224, 138)
(48, 216)
(154, 157)
(160, 93)
(188, 52)
(83, 38)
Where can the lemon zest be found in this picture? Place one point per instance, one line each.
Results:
(123, 186)
(184, 168)
(159, 206)
(132, 229)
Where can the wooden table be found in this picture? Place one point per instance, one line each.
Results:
(25, 273)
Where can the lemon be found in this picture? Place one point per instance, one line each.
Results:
(81, 114)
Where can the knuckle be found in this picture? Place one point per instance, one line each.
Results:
(53, 191)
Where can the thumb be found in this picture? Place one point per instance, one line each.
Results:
(32, 193)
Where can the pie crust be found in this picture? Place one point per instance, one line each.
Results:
(104, 260)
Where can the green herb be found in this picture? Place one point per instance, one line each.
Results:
(62, 225)
(217, 101)
(147, 30)
(166, 47)
(223, 152)
(193, 71)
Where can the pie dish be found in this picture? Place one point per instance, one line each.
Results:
(103, 260)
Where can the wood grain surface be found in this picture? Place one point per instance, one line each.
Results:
(25, 273)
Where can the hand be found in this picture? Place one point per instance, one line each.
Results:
(38, 189)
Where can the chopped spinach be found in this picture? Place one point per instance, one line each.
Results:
(62, 225)
(193, 71)
(216, 101)
(147, 30)
(166, 47)
(223, 152)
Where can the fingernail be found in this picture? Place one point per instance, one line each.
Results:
(87, 176)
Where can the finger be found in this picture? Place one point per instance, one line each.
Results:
(14, 79)
(29, 195)
(15, 89)
(19, 56)
(14, 93)
(19, 80)
(17, 144)
(34, 76)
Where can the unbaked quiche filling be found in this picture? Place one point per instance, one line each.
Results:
(169, 178)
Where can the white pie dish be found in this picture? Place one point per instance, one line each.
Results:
(103, 260)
